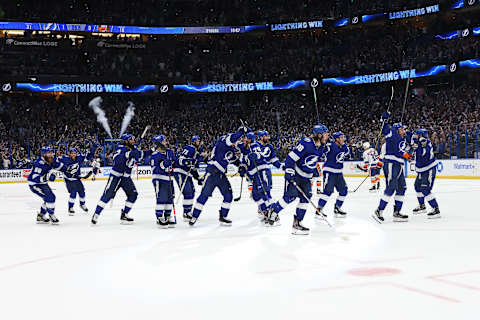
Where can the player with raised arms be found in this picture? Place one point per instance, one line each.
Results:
(396, 151)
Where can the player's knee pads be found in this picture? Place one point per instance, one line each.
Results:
(81, 193)
(343, 193)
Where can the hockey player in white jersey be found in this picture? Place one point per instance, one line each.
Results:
(372, 165)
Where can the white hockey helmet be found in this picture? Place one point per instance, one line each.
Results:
(366, 145)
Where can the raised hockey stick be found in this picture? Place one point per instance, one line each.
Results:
(310, 201)
(314, 85)
(378, 138)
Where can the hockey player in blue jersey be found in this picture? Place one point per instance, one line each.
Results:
(38, 184)
(124, 160)
(397, 150)
(426, 168)
(335, 153)
(73, 164)
(185, 169)
(269, 154)
(299, 167)
(223, 154)
(255, 166)
(161, 161)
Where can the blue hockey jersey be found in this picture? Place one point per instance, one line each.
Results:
(125, 159)
(424, 157)
(160, 170)
(72, 167)
(189, 153)
(270, 156)
(41, 169)
(224, 151)
(260, 162)
(396, 146)
(303, 159)
(335, 155)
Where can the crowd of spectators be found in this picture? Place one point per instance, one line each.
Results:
(198, 12)
(448, 112)
(297, 55)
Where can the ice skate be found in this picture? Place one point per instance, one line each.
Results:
(125, 219)
(420, 209)
(298, 228)
(377, 216)
(434, 214)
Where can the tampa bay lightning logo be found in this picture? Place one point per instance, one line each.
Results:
(72, 169)
(340, 157)
(311, 162)
(230, 156)
(266, 152)
(402, 146)
(453, 67)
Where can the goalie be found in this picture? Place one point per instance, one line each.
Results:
(372, 165)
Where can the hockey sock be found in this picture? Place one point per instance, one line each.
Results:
(301, 210)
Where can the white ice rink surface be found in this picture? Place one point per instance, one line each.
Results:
(423, 269)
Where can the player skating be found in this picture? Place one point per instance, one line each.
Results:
(396, 151)
(255, 166)
(38, 184)
(426, 168)
(223, 154)
(185, 169)
(73, 175)
(161, 161)
(335, 153)
(299, 167)
(372, 165)
(124, 160)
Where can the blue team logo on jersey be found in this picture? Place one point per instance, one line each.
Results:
(72, 169)
(311, 162)
(265, 153)
(341, 157)
(230, 156)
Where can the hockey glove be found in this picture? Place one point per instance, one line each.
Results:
(52, 177)
(385, 116)
(242, 169)
(408, 156)
(289, 174)
(379, 164)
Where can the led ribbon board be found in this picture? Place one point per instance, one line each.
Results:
(238, 87)
(84, 88)
(385, 76)
(50, 26)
